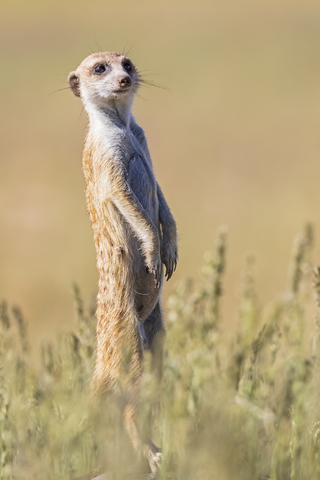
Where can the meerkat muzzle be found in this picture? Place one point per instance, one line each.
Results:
(124, 82)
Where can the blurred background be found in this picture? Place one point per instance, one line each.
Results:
(235, 141)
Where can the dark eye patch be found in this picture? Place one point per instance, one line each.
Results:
(99, 69)
(127, 66)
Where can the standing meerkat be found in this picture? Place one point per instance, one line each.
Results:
(134, 231)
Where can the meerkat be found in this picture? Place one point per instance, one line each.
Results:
(134, 231)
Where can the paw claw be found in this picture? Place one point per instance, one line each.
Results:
(169, 257)
(155, 269)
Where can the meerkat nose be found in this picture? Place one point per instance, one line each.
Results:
(125, 81)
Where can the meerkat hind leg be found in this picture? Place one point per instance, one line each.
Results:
(143, 446)
(154, 332)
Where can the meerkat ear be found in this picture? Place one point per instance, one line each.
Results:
(74, 83)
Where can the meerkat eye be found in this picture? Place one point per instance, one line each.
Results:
(99, 69)
(127, 66)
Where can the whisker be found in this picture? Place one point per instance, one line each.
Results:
(151, 83)
(98, 44)
(126, 52)
(81, 113)
(140, 96)
(56, 91)
(150, 73)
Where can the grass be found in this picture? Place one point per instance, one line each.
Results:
(240, 406)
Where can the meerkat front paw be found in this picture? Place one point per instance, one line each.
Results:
(154, 266)
(169, 257)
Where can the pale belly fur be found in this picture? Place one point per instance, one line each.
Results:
(119, 250)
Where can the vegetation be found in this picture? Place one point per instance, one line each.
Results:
(240, 406)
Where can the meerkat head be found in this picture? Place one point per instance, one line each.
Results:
(103, 78)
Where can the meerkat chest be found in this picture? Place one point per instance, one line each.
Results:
(122, 148)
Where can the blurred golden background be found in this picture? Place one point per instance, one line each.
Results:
(235, 141)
